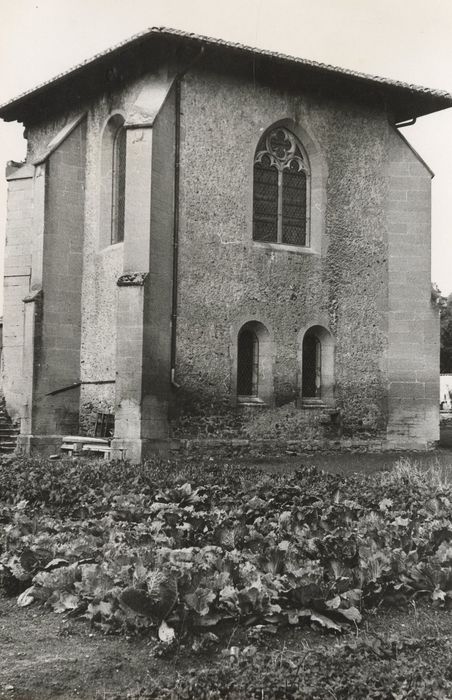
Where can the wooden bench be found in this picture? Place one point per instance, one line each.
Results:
(77, 445)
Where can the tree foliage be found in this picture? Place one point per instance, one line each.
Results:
(446, 336)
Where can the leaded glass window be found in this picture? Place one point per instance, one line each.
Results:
(281, 176)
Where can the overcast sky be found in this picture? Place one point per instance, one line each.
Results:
(409, 40)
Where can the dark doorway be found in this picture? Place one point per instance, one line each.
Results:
(247, 363)
(311, 377)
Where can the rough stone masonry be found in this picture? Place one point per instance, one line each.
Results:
(182, 321)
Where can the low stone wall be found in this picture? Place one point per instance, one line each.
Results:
(264, 448)
(259, 422)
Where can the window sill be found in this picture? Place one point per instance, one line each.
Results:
(313, 403)
(111, 247)
(282, 247)
(250, 401)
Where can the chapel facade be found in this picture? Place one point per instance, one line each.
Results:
(208, 239)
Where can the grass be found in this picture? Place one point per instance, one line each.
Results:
(435, 473)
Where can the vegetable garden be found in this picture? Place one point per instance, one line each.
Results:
(197, 555)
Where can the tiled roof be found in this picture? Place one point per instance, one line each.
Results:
(415, 90)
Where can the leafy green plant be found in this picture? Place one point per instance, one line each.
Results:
(186, 548)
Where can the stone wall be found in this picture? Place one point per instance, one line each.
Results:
(227, 279)
(57, 344)
(413, 323)
(102, 265)
(16, 282)
(145, 288)
(365, 278)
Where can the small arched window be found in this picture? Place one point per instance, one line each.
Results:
(317, 367)
(312, 366)
(113, 182)
(281, 190)
(247, 363)
(118, 185)
(254, 366)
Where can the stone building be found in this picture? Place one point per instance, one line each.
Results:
(209, 239)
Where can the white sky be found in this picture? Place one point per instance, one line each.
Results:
(409, 40)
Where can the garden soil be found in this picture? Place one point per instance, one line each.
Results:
(47, 657)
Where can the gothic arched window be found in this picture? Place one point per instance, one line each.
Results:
(281, 189)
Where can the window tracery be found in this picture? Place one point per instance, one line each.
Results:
(280, 199)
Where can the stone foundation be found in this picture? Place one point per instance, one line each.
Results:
(242, 448)
(139, 450)
(42, 445)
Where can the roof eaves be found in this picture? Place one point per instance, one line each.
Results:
(242, 48)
